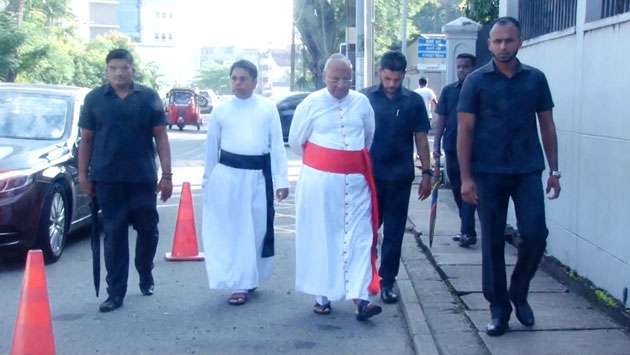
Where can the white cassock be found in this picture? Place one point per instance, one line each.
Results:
(333, 221)
(234, 200)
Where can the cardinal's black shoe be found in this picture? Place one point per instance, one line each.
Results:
(367, 310)
(110, 304)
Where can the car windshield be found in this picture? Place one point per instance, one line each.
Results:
(32, 116)
(182, 97)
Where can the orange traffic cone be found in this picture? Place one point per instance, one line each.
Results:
(185, 241)
(33, 327)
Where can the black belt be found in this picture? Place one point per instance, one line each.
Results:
(257, 162)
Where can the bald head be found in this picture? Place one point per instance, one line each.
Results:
(337, 58)
(338, 75)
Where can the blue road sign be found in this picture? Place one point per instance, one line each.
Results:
(431, 48)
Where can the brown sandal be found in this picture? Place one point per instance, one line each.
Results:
(322, 309)
(237, 299)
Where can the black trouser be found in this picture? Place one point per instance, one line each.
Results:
(393, 203)
(494, 192)
(466, 210)
(123, 204)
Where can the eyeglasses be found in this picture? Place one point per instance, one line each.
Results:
(339, 82)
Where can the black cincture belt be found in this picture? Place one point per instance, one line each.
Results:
(256, 162)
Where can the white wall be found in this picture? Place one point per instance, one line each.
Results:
(588, 74)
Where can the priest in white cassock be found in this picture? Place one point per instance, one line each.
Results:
(245, 158)
(336, 208)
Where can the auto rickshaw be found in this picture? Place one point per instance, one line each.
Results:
(183, 108)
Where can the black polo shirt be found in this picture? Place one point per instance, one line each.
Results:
(447, 107)
(506, 139)
(123, 148)
(397, 120)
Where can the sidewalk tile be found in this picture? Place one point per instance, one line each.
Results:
(553, 319)
(539, 301)
(587, 342)
(467, 278)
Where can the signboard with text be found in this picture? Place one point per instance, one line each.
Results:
(431, 48)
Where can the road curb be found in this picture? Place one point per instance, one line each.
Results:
(419, 331)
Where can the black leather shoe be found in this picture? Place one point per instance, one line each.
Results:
(467, 240)
(524, 314)
(388, 295)
(147, 285)
(367, 310)
(497, 327)
(110, 304)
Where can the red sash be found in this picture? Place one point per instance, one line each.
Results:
(349, 162)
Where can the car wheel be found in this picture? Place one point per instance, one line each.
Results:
(53, 224)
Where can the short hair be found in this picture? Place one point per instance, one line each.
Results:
(246, 65)
(394, 61)
(472, 58)
(338, 56)
(423, 81)
(508, 20)
(119, 53)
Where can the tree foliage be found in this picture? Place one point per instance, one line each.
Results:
(435, 14)
(38, 43)
(321, 24)
(482, 11)
(215, 76)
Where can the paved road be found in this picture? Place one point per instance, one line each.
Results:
(184, 317)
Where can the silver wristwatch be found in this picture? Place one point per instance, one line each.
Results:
(555, 173)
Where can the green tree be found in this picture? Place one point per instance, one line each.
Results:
(321, 24)
(387, 27)
(435, 14)
(482, 11)
(214, 76)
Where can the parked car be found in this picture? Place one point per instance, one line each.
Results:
(41, 201)
(212, 98)
(286, 104)
(184, 108)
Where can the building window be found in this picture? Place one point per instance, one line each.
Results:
(157, 14)
(539, 17)
(170, 36)
(614, 7)
(163, 37)
(157, 36)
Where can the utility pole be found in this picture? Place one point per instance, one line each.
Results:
(359, 66)
(292, 77)
(369, 42)
(403, 26)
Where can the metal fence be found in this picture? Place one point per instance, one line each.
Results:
(614, 7)
(539, 17)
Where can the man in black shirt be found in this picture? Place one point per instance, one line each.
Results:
(446, 131)
(400, 118)
(119, 123)
(500, 158)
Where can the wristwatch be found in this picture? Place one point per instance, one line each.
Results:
(427, 172)
(555, 173)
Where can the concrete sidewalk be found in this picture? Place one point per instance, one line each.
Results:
(447, 313)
